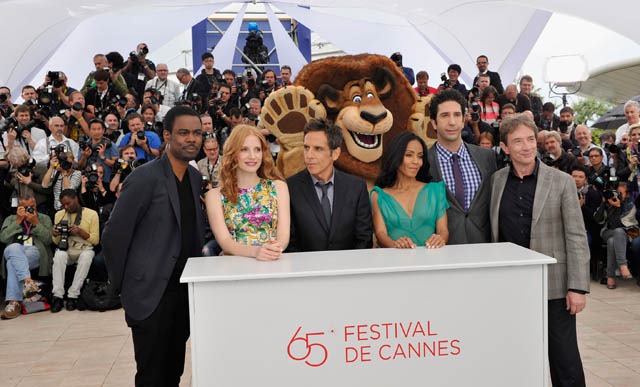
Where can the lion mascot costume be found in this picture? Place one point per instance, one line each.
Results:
(366, 95)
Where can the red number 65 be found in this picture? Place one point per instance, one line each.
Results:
(308, 346)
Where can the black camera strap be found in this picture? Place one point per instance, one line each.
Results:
(78, 216)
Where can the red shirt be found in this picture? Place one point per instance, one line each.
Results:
(430, 90)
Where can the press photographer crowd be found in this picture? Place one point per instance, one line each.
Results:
(66, 153)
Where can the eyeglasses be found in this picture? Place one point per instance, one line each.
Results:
(594, 156)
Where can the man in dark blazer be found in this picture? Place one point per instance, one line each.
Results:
(330, 209)
(537, 207)
(156, 224)
(483, 63)
(468, 214)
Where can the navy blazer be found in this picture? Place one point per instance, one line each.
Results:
(142, 236)
(350, 227)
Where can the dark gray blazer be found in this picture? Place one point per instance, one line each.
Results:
(473, 227)
(557, 229)
(142, 237)
(350, 227)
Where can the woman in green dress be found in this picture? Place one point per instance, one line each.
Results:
(408, 210)
(249, 212)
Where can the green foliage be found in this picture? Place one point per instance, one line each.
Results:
(588, 110)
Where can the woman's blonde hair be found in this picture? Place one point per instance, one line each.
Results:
(229, 166)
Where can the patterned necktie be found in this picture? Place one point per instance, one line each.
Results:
(324, 202)
(457, 177)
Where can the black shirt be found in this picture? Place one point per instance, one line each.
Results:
(516, 208)
(188, 246)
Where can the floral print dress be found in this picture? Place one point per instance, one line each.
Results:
(252, 221)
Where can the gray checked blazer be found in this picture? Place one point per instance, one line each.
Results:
(557, 229)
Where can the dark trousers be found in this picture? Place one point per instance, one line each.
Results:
(564, 357)
(159, 341)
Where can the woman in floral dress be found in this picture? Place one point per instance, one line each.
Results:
(249, 212)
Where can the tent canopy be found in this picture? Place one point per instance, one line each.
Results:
(64, 35)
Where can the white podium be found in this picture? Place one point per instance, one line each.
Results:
(469, 315)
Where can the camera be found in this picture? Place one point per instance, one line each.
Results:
(61, 154)
(563, 126)
(140, 134)
(55, 79)
(549, 159)
(607, 183)
(445, 81)
(30, 209)
(27, 168)
(63, 229)
(576, 152)
(77, 106)
(91, 172)
(117, 99)
(611, 148)
(476, 92)
(204, 188)
(3, 98)
(475, 111)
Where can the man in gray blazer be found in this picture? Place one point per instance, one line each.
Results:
(156, 224)
(537, 207)
(465, 168)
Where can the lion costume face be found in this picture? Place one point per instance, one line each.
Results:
(366, 95)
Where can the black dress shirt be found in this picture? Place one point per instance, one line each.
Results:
(516, 208)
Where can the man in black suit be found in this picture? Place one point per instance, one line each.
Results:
(483, 63)
(330, 209)
(156, 224)
(465, 168)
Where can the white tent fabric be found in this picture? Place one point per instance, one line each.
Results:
(227, 44)
(64, 34)
(287, 51)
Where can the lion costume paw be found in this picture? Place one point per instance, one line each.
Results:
(285, 113)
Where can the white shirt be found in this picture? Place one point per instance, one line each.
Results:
(37, 134)
(41, 151)
(622, 129)
(169, 89)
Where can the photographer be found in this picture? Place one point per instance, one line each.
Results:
(555, 156)
(254, 111)
(22, 131)
(77, 117)
(194, 89)
(27, 236)
(139, 68)
(617, 213)
(76, 230)
(44, 147)
(268, 84)
(219, 107)
(168, 88)
(453, 71)
(6, 106)
(396, 57)
(112, 63)
(98, 98)
(597, 168)
(58, 82)
(25, 179)
(123, 167)
(145, 142)
(210, 165)
(97, 149)
(209, 74)
(61, 175)
(93, 191)
(153, 98)
(423, 89)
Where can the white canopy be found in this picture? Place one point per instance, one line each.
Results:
(63, 35)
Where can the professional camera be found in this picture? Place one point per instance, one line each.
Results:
(135, 55)
(85, 143)
(156, 127)
(117, 99)
(27, 168)
(63, 229)
(91, 172)
(77, 106)
(445, 80)
(475, 111)
(607, 183)
(476, 92)
(611, 148)
(576, 152)
(205, 183)
(60, 152)
(3, 98)
(30, 209)
(9, 123)
(140, 134)
(563, 127)
(55, 79)
(549, 159)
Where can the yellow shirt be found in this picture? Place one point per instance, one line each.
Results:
(89, 223)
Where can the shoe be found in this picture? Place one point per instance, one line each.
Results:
(625, 273)
(72, 304)
(56, 304)
(30, 289)
(12, 310)
(611, 283)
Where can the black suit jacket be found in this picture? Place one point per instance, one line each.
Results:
(495, 81)
(142, 237)
(351, 226)
(473, 226)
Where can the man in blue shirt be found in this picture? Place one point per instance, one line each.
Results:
(145, 142)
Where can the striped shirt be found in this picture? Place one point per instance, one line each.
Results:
(471, 177)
